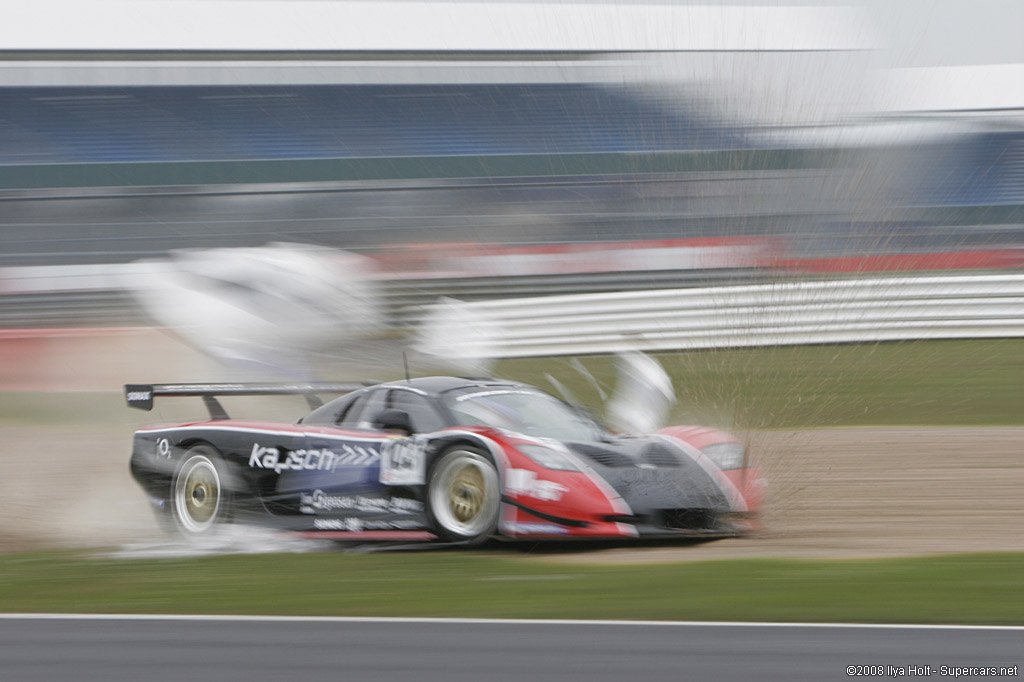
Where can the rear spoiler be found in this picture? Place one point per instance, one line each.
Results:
(141, 396)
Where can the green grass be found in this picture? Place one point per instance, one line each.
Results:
(982, 588)
(942, 383)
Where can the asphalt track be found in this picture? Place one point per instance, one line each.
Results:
(257, 650)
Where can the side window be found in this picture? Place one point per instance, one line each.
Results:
(424, 417)
(349, 419)
(374, 406)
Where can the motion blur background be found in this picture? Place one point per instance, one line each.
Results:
(483, 151)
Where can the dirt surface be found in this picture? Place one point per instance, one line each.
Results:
(848, 493)
(833, 493)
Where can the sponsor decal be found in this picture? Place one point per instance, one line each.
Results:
(403, 505)
(338, 524)
(525, 482)
(310, 460)
(318, 500)
(538, 529)
(356, 524)
(139, 396)
(404, 461)
(163, 447)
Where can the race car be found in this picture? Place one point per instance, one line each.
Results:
(444, 459)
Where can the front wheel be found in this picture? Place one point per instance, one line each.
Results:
(464, 495)
(199, 500)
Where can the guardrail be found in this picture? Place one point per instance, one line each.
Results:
(98, 302)
(785, 313)
(721, 316)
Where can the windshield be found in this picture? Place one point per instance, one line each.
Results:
(526, 411)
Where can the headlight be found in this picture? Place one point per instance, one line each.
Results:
(725, 455)
(548, 458)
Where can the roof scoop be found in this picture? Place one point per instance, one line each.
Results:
(643, 396)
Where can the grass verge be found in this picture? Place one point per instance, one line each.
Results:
(975, 588)
(940, 383)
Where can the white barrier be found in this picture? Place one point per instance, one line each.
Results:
(786, 313)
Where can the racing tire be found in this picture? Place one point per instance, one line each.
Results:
(200, 501)
(464, 496)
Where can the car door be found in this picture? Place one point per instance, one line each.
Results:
(404, 457)
(347, 453)
(351, 497)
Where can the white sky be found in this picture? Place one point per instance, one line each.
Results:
(912, 32)
(949, 32)
(422, 25)
(886, 54)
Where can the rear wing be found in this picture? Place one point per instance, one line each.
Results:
(141, 396)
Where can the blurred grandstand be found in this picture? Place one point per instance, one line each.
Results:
(547, 160)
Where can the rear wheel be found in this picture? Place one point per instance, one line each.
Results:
(199, 499)
(464, 495)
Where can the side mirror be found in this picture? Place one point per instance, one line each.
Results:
(394, 420)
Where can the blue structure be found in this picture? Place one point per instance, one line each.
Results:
(207, 123)
(983, 169)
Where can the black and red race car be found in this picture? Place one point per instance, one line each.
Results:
(438, 458)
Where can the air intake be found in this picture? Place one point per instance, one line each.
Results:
(603, 456)
(687, 519)
(660, 455)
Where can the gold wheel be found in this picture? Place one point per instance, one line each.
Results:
(467, 492)
(464, 496)
(202, 495)
(198, 502)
